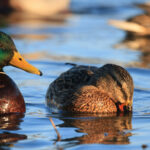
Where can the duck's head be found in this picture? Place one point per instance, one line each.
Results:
(10, 56)
(122, 86)
(124, 107)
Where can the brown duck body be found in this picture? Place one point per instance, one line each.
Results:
(92, 89)
(11, 99)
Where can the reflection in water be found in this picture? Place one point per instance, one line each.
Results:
(29, 20)
(7, 137)
(10, 122)
(31, 36)
(100, 129)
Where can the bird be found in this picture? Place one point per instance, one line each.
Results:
(137, 26)
(90, 89)
(11, 99)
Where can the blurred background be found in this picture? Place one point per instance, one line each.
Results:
(80, 31)
(49, 33)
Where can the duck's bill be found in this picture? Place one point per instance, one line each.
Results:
(19, 62)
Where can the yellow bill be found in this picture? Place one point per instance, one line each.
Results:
(19, 62)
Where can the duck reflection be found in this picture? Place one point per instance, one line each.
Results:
(112, 129)
(9, 123)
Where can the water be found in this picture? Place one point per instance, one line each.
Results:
(84, 37)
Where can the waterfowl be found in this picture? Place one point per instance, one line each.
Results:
(136, 26)
(11, 99)
(89, 89)
(145, 7)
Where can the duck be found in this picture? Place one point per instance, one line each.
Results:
(145, 7)
(137, 26)
(91, 89)
(11, 99)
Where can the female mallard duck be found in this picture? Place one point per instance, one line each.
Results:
(92, 90)
(11, 99)
(136, 26)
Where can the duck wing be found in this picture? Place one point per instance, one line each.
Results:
(61, 90)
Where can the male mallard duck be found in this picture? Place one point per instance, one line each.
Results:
(11, 99)
(93, 90)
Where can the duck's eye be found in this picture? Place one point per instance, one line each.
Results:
(20, 59)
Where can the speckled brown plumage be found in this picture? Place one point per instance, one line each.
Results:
(92, 89)
(84, 97)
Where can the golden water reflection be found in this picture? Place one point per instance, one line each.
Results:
(31, 36)
(105, 130)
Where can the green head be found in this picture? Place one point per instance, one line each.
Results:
(6, 49)
(10, 56)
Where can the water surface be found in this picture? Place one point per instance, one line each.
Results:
(83, 37)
